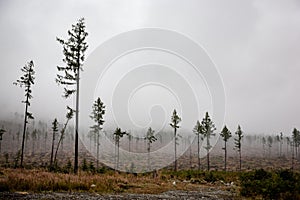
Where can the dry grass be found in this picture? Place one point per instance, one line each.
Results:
(40, 180)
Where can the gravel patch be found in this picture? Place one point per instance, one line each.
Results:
(208, 194)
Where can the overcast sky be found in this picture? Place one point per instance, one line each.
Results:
(255, 45)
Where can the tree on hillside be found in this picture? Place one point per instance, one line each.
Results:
(26, 81)
(98, 111)
(225, 134)
(208, 131)
(198, 130)
(281, 142)
(33, 138)
(264, 142)
(129, 136)
(296, 140)
(294, 144)
(279, 139)
(69, 116)
(74, 51)
(54, 132)
(270, 143)
(118, 134)
(238, 144)
(2, 131)
(150, 138)
(175, 120)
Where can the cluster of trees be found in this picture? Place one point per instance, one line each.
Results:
(68, 76)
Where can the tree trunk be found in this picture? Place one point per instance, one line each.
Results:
(292, 157)
(24, 131)
(98, 149)
(149, 167)
(118, 155)
(199, 162)
(240, 159)
(76, 120)
(208, 164)
(191, 156)
(52, 150)
(225, 149)
(175, 163)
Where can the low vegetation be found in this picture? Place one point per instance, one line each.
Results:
(282, 184)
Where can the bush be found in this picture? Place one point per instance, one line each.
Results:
(282, 184)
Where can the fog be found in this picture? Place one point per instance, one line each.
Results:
(253, 44)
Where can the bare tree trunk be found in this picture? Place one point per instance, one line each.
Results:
(175, 163)
(24, 132)
(98, 150)
(208, 144)
(118, 155)
(240, 160)
(77, 113)
(225, 149)
(149, 167)
(52, 150)
(292, 146)
(199, 161)
(191, 157)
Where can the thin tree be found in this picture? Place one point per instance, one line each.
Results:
(74, 51)
(2, 131)
(54, 132)
(175, 120)
(150, 138)
(33, 137)
(129, 135)
(264, 144)
(280, 143)
(238, 144)
(208, 131)
(69, 116)
(296, 140)
(225, 134)
(98, 111)
(270, 143)
(118, 134)
(198, 130)
(294, 144)
(26, 80)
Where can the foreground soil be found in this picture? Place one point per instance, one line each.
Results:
(204, 193)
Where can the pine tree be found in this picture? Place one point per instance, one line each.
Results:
(175, 120)
(54, 132)
(150, 138)
(26, 80)
(238, 144)
(69, 116)
(2, 131)
(74, 51)
(118, 134)
(270, 142)
(208, 131)
(225, 134)
(98, 110)
(33, 137)
(198, 130)
(295, 144)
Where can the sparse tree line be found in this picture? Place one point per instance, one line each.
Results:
(68, 77)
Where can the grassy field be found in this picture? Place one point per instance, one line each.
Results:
(111, 182)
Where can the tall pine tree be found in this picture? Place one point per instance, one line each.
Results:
(74, 51)
(26, 81)
(175, 120)
(98, 110)
(225, 134)
(208, 131)
(238, 144)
